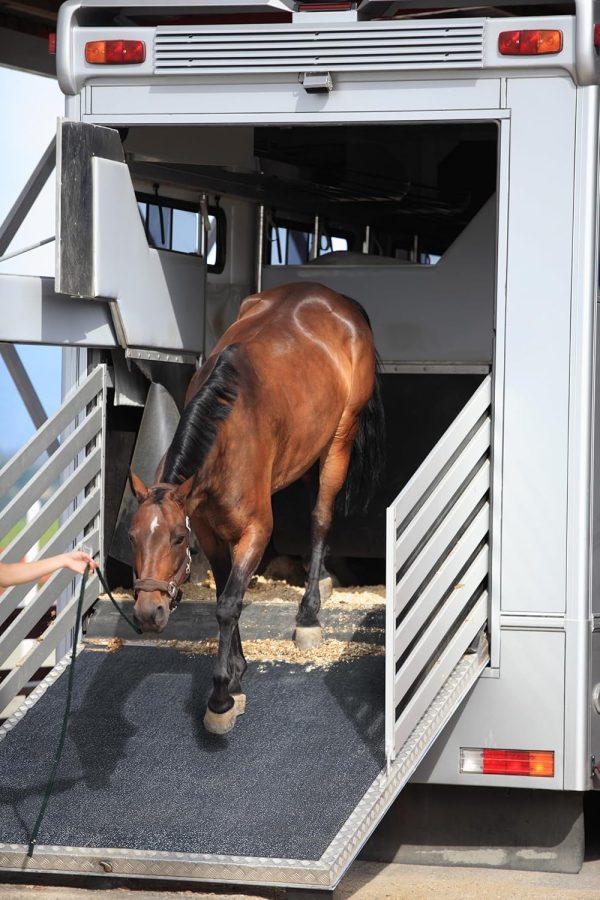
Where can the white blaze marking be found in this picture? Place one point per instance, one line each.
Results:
(154, 524)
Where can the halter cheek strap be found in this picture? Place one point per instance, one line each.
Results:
(171, 588)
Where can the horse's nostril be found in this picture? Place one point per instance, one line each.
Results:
(159, 614)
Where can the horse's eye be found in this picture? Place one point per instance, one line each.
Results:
(178, 539)
(131, 537)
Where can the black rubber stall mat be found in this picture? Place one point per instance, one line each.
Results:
(140, 772)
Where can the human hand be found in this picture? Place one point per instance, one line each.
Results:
(77, 560)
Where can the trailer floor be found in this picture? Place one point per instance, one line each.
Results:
(139, 771)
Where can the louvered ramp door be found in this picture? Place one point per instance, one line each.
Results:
(437, 576)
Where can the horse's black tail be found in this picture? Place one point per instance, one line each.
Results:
(367, 461)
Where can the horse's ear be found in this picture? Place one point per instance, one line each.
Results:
(138, 487)
(182, 491)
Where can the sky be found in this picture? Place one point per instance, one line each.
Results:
(30, 107)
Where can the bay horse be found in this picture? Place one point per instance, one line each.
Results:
(292, 382)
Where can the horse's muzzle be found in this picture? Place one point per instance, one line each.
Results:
(151, 611)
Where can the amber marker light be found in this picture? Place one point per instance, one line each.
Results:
(489, 761)
(115, 53)
(529, 43)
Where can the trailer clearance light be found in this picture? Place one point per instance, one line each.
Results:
(537, 763)
(115, 53)
(529, 43)
(596, 36)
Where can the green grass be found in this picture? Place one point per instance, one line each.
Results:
(15, 530)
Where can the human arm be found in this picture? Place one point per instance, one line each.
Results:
(22, 572)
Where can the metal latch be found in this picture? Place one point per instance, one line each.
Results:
(316, 82)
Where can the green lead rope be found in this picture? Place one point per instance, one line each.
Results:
(115, 604)
(63, 733)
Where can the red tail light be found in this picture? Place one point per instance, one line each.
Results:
(529, 43)
(489, 761)
(52, 43)
(115, 53)
(596, 35)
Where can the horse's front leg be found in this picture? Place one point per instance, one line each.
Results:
(219, 557)
(226, 701)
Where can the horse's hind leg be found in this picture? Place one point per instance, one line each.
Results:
(223, 708)
(333, 469)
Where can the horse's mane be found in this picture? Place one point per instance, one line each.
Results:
(198, 426)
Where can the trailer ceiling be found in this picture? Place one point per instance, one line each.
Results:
(402, 180)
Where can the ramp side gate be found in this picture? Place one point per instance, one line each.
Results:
(437, 566)
(71, 481)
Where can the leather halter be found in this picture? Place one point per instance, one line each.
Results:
(173, 587)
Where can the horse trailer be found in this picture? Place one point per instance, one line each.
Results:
(440, 166)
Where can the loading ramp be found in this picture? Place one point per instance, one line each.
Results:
(290, 797)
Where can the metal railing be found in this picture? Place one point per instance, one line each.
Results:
(438, 562)
(69, 485)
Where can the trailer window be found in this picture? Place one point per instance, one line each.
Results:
(291, 246)
(178, 228)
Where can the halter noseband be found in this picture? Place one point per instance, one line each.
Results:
(171, 588)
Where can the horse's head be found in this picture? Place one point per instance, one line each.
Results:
(160, 544)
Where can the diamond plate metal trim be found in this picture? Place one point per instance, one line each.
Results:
(386, 787)
(35, 695)
(155, 864)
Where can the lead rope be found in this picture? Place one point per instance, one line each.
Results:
(115, 604)
(63, 733)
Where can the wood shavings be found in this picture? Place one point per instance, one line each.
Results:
(114, 644)
(265, 590)
(271, 651)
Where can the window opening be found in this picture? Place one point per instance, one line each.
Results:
(291, 243)
(175, 226)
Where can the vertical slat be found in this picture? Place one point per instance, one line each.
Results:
(443, 493)
(442, 538)
(444, 450)
(444, 666)
(427, 527)
(390, 632)
(85, 445)
(50, 512)
(443, 623)
(49, 472)
(51, 429)
(36, 657)
(442, 581)
(65, 535)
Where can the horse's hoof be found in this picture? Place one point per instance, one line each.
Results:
(326, 588)
(239, 703)
(220, 723)
(307, 637)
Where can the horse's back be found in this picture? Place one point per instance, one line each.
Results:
(305, 318)
(305, 365)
